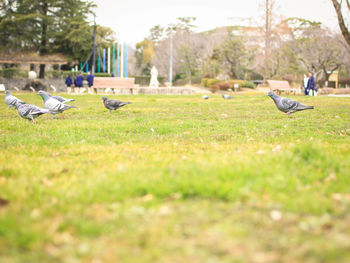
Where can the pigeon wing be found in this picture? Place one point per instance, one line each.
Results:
(287, 104)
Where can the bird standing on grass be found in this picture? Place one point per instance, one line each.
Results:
(12, 101)
(113, 104)
(30, 112)
(287, 105)
(53, 105)
(226, 97)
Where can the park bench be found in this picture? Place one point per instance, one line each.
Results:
(113, 83)
(281, 86)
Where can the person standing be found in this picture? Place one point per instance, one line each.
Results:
(90, 80)
(305, 81)
(311, 85)
(78, 82)
(69, 83)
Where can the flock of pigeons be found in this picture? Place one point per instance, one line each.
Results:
(52, 104)
(57, 104)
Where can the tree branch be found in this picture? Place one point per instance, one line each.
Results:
(341, 22)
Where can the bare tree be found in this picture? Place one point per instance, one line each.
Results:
(341, 21)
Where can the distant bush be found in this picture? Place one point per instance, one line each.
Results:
(53, 74)
(9, 73)
(344, 82)
(215, 85)
(209, 82)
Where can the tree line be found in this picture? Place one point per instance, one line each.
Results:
(50, 27)
(271, 47)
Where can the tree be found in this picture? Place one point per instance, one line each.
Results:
(233, 56)
(341, 21)
(320, 51)
(43, 26)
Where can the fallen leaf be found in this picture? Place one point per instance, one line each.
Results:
(4, 202)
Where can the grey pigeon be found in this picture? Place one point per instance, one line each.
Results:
(53, 105)
(226, 97)
(113, 104)
(205, 97)
(287, 105)
(30, 112)
(12, 101)
(62, 99)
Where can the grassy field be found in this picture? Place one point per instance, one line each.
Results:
(176, 179)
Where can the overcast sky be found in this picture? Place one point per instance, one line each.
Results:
(132, 19)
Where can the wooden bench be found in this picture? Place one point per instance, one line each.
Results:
(280, 86)
(113, 83)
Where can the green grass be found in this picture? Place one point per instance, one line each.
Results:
(96, 187)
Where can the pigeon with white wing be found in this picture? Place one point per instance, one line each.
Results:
(12, 101)
(53, 105)
(30, 112)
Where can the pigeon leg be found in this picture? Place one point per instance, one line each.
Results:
(33, 121)
(62, 115)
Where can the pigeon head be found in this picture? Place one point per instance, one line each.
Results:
(43, 95)
(271, 94)
(8, 92)
(104, 98)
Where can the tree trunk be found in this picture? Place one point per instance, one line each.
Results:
(267, 38)
(343, 28)
(43, 43)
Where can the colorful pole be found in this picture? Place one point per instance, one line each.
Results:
(81, 66)
(98, 64)
(109, 61)
(113, 60)
(121, 60)
(104, 60)
(87, 66)
(126, 60)
(118, 60)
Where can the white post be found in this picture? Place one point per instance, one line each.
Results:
(109, 61)
(121, 60)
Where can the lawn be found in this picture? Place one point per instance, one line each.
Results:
(176, 179)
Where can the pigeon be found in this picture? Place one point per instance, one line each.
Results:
(53, 105)
(287, 105)
(30, 112)
(62, 99)
(113, 104)
(12, 101)
(205, 97)
(226, 97)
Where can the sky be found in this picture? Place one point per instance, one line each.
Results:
(132, 19)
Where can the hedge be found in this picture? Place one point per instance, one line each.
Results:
(215, 84)
(9, 73)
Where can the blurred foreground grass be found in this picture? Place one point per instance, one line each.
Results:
(217, 181)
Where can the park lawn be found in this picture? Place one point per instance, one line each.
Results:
(216, 181)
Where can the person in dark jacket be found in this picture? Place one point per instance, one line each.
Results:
(90, 80)
(69, 83)
(78, 82)
(311, 85)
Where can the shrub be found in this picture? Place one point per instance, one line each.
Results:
(209, 82)
(9, 73)
(248, 84)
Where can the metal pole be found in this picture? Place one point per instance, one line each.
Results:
(94, 48)
(118, 60)
(171, 57)
(104, 60)
(109, 60)
(113, 60)
(126, 60)
(121, 60)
